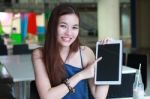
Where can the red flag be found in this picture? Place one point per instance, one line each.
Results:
(31, 28)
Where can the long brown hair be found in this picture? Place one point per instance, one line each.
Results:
(53, 62)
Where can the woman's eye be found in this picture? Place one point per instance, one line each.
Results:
(64, 26)
(75, 27)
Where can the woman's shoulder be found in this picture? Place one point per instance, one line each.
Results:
(86, 50)
(37, 53)
(87, 54)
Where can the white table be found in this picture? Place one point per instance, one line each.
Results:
(21, 69)
(127, 70)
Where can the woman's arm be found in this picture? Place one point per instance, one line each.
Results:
(42, 82)
(98, 92)
(101, 91)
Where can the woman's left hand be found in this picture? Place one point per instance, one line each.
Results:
(106, 40)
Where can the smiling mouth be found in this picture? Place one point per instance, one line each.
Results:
(66, 39)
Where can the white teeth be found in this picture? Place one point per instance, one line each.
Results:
(66, 39)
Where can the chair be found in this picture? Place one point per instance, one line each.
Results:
(123, 90)
(124, 58)
(1, 40)
(134, 59)
(120, 91)
(21, 49)
(3, 50)
(33, 91)
(6, 83)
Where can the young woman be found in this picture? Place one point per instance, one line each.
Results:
(63, 68)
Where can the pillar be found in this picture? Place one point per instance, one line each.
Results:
(108, 19)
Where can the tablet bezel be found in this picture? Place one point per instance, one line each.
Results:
(118, 82)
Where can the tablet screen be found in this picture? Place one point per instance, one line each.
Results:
(108, 70)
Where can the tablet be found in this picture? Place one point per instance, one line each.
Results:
(108, 70)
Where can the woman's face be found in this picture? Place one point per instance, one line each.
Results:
(68, 29)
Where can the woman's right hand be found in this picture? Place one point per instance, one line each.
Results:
(89, 71)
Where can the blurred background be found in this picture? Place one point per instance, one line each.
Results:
(24, 22)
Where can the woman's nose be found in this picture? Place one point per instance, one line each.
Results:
(68, 31)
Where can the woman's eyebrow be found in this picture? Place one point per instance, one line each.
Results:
(67, 24)
(63, 23)
(76, 25)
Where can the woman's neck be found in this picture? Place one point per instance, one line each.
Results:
(64, 52)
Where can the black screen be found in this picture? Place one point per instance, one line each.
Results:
(108, 67)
